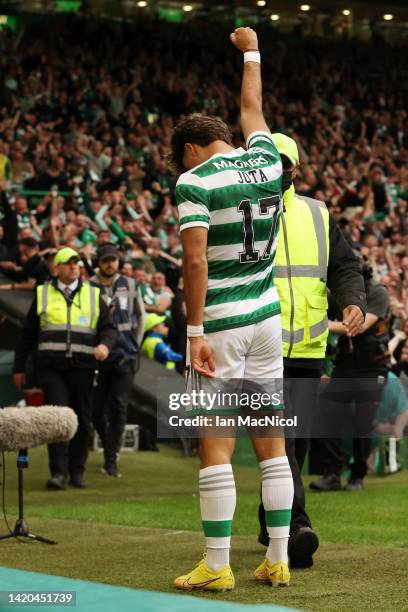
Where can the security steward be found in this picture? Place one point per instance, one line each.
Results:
(68, 324)
(350, 401)
(116, 374)
(312, 255)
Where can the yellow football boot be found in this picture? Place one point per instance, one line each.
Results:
(276, 574)
(204, 578)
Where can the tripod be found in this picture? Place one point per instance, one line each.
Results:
(21, 528)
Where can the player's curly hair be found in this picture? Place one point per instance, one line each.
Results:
(196, 129)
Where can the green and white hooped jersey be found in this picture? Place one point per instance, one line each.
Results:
(237, 197)
(147, 293)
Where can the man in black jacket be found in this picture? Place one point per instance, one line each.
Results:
(68, 325)
(340, 273)
(351, 398)
(115, 376)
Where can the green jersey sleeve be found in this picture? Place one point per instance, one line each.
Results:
(191, 200)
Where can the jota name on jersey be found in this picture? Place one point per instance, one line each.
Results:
(252, 176)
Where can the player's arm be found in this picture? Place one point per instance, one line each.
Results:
(195, 277)
(195, 273)
(194, 220)
(252, 118)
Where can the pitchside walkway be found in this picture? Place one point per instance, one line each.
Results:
(95, 597)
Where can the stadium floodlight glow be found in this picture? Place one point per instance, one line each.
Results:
(275, 17)
(305, 7)
(187, 8)
(261, 2)
(346, 12)
(142, 3)
(388, 17)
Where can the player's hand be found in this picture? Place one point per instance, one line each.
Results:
(19, 379)
(201, 357)
(245, 39)
(101, 352)
(353, 320)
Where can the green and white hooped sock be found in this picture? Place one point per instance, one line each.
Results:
(217, 502)
(277, 498)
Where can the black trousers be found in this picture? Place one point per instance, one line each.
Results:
(300, 395)
(110, 404)
(349, 405)
(73, 388)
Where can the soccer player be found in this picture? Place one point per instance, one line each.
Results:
(229, 202)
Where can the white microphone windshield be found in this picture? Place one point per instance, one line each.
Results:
(34, 426)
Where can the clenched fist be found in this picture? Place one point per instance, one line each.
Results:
(245, 39)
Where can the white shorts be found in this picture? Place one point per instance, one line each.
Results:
(249, 353)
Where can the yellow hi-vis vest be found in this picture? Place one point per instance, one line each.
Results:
(301, 275)
(68, 327)
(149, 346)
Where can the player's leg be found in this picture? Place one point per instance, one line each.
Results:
(217, 498)
(217, 504)
(216, 479)
(264, 362)
(277, 499)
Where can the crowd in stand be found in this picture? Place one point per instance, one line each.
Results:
(86, 115)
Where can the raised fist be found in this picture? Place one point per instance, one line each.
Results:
(245, 39)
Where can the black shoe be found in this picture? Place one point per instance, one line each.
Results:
(77, 480)
(301, 547)
(330, 482)
(57, 482)
(354, 484)
(110, 467)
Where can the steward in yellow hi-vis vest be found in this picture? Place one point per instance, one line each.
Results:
(69, 328)
(312, 256)
(301, 276)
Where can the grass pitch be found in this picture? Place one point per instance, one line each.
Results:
(144, 529)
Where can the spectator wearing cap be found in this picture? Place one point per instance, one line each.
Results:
(154, 346)
(302, 277)
(69, 326)
(123, 298)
